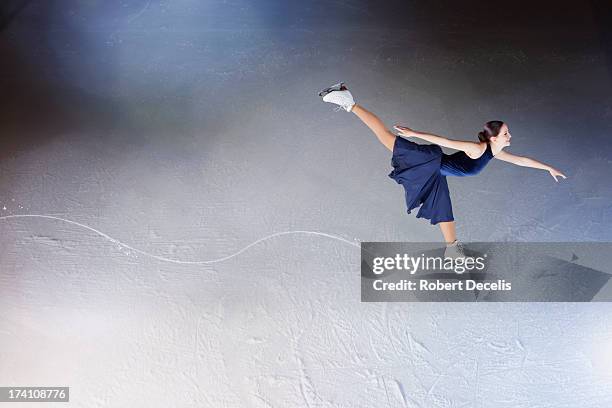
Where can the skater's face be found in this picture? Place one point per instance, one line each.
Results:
(504, 136)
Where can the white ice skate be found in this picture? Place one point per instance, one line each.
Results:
(340, 95)
(454, 250)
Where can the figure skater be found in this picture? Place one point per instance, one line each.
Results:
(422, 169)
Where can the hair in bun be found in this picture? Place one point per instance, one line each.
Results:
(491, 129)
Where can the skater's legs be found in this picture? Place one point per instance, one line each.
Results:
(448, 230)
(387, 138)
(383, 134)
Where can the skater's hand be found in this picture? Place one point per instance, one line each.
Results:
(556, 173)
(404, 131)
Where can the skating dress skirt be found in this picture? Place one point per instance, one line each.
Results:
(422, 171)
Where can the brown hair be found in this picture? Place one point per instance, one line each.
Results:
(491, 129)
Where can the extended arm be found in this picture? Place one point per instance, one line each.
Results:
(528, 162)
(470, 148)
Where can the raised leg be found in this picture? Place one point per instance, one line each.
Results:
(448, 230)
(372, 121)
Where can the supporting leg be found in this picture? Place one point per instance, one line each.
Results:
(372, 121)
(448, 230)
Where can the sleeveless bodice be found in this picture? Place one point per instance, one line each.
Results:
(460, 164)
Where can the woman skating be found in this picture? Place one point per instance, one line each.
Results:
(422, 169)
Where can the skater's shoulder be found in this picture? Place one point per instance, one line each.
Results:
(476, 150)
(472, 150)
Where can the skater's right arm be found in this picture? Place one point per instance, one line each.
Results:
(470, 148)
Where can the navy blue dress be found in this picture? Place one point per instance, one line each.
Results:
(422, 171)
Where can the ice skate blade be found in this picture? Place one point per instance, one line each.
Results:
(337, 87)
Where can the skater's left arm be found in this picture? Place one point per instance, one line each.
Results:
(528, 162)
(470, 148)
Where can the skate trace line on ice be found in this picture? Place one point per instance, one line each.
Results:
(178, 261)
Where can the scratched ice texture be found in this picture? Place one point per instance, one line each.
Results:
(158, 134)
